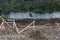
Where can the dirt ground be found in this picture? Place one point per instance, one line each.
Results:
(45, 30)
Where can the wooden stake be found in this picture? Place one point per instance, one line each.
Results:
(26, 27)
(33, 26)
(16, 27)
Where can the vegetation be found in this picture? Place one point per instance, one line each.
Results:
(38, 6)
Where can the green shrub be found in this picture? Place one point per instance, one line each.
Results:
(38, 6)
